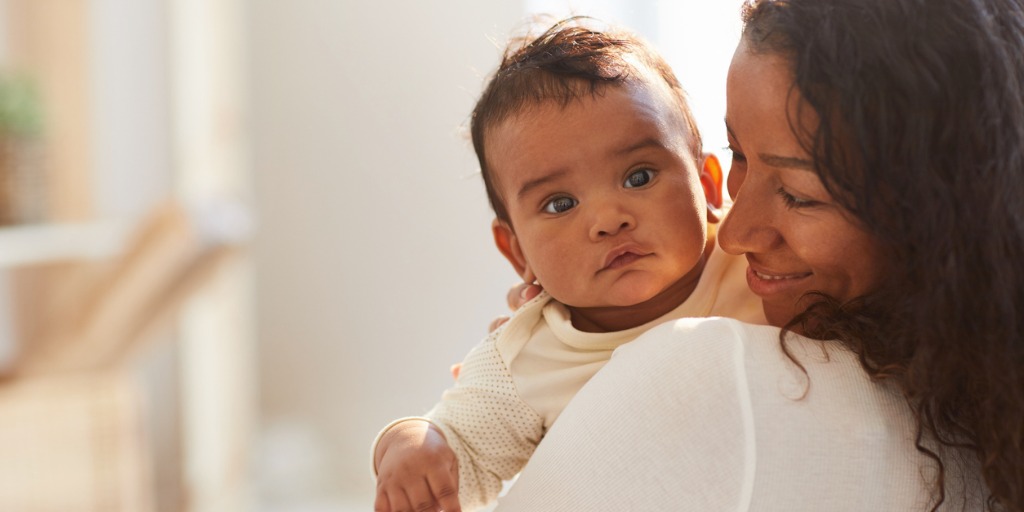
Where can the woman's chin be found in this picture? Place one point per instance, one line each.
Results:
(779, 315)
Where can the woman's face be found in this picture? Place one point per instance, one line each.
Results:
(795, 237)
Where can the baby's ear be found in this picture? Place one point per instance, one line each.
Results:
(508, 243)
(711, 181)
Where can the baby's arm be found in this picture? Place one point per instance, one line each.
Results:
(491, 431)
(415, 469)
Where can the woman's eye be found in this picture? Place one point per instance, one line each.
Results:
(793, 201)
(639, 178)
(737, 156)
(560, 205)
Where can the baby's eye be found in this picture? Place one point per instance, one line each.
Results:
(560, 205)
(639, 178)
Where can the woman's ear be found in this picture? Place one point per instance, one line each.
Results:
(508, 244)
(711, 181)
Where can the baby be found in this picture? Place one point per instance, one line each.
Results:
(592, 164)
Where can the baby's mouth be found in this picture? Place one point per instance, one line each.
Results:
(623, 256)
(622, 260)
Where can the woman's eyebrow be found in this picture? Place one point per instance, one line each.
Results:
(782, 162)
(786, 162)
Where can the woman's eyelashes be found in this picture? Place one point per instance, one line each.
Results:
(560, 204)
(639, 178)
(737, 156)
(792, 201)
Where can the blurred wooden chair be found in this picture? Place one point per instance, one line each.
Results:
(72, 433)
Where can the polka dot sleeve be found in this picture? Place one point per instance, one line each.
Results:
(492, 431)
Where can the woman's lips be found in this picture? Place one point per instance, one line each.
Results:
(765, 282)
(777, 277)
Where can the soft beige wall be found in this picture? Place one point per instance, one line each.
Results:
(375, 265)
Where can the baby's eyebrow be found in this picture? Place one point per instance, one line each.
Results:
(534, 183)
(649, 142)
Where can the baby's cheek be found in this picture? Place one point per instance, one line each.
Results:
(557, 285)
(560, 269)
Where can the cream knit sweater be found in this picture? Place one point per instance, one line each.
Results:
(515, 383)
(710, 415)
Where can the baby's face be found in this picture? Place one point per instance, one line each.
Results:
(605, 199)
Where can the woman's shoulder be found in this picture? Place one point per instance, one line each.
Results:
(690, 338)
(713, 327)
(771, 370)
(787, 399)
(758, 345)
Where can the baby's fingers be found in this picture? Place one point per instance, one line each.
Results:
(521, 294)
(497, 322)
(395, 500)
(445, 488)
(381, 504)
(420, 497)
(398, 497)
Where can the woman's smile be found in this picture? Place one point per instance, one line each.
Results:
(797, 241)
(766, 284)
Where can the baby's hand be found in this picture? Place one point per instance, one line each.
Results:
(521, 294)
(517, 296)
(416, 470)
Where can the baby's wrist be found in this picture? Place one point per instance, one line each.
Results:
(393, 431)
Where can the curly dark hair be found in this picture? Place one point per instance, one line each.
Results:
(922, 138)
(570, 60)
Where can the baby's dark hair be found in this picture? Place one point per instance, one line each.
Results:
(564, 64)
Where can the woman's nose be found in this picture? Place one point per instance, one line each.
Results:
(749, 226)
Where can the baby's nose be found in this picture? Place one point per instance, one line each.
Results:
(611, 225)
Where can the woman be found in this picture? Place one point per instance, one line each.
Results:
(877, 173)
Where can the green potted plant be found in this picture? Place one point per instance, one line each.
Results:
(22, 174)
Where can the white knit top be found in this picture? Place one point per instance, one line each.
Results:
(710, 415)
(514, 384)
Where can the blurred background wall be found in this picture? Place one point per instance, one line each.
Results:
(375, 267)
(339, 129)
